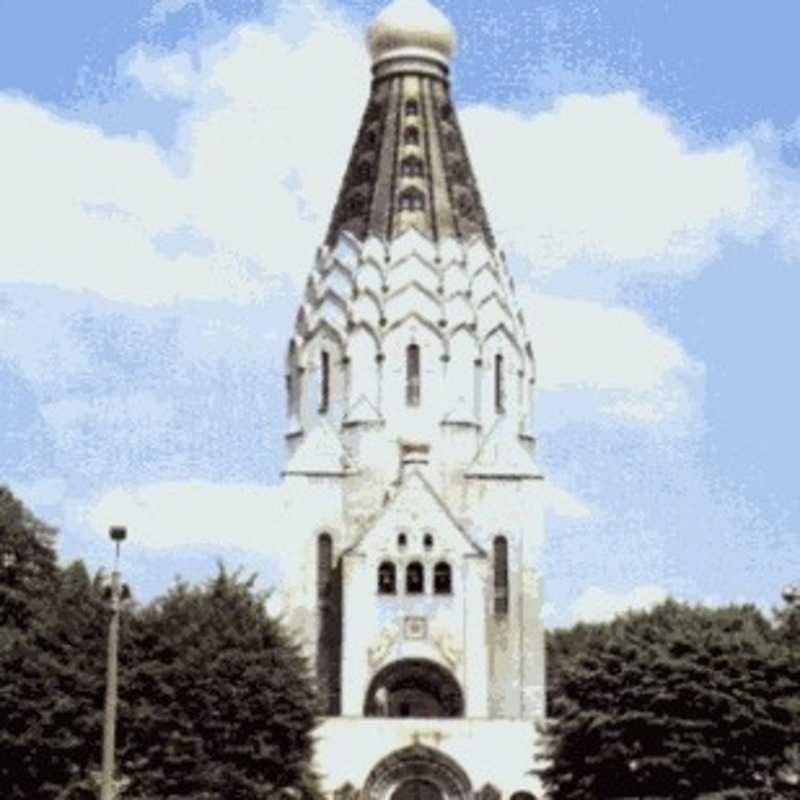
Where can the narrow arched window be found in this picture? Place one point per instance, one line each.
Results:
(442, 579)
(387, 578)
(499, 385)
(364, 171)
(412, 108)
(413, 388)
(411, 135)
(325, 381)
(415, 578)
(500, 575)
(402, 540)
(427, 541)
(412, 200)
(324, 566)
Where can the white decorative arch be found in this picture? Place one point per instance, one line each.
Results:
(414, 298)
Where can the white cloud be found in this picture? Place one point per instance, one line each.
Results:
(636, 371)
(608, 179)
(185, 513)
(600, 605)
(563, 503)
(248, 186)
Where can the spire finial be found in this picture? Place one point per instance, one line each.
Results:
(410, 27)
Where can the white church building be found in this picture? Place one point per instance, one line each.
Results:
(409, 484)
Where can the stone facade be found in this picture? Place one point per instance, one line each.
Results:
(409, 487)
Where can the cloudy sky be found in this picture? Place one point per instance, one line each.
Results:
(167, 170)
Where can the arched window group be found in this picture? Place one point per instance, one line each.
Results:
(415, 578)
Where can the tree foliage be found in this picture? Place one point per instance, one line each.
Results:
(217, 702)
(214, 699)
(678, 702)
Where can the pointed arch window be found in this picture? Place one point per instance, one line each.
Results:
(325, 381)
(355, 205)
(499, 385)
(412, 200)
(387, 578)
(412, 108)
(442, 578)
(412, 167)
(411, 135)
(413, 387)
(324, 566)
(415, 578)
(500, 575)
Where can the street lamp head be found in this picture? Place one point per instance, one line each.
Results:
(118, 533)
(791, 594)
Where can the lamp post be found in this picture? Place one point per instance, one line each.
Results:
(108, 788)
(633, 767)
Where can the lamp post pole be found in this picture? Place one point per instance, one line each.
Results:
(108, 786)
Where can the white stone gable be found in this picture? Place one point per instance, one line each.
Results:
(414, 508)
(321, 452)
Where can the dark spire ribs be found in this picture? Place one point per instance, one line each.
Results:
(409, 167)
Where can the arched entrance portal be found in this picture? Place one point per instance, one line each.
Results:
(417, 773)
(414, 687)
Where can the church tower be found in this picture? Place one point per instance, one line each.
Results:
(409, 481)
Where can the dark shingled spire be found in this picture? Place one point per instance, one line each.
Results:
(409, 167)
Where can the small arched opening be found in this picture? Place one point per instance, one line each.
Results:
(417, 773)
(387, 578)
(414, 687)
(415, 578)
(442, 579)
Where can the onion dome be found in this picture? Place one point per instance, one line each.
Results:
(410, 27)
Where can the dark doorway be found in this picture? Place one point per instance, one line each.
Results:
(417, 790)
(414, 688)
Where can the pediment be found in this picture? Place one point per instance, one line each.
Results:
(501, 454)
(415, 505)
(321, 452)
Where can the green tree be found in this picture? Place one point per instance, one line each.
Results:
(27, 565)
(51, 692)
(217, 701)
(678, 702)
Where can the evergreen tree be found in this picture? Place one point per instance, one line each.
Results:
(216, 701)
(27, 565)
(51, 679)
(678, 702)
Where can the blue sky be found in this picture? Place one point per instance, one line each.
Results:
(165, 185)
